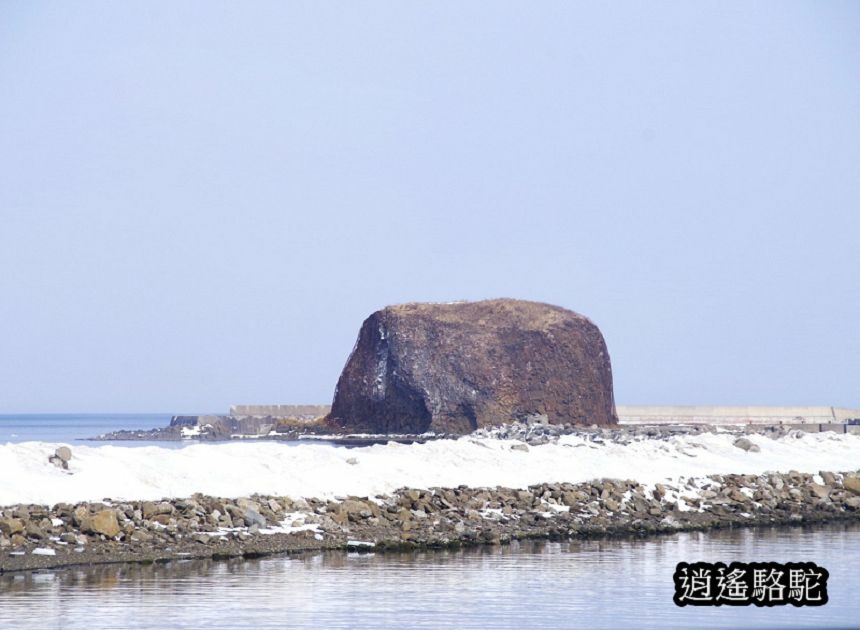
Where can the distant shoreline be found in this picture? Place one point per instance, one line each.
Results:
(296, 422)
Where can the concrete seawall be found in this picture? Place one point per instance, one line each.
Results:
(718, 414)
(308, 412)
(811, 419)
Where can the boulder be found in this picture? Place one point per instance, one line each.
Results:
(102, 522)
(455, 367)
(64, 453)
(79, 514)
(746, 445)
(852, 484)
(10, 526)
(253, 517)
(59, 463)
(34, 531)
(149, 509)
(818, 490)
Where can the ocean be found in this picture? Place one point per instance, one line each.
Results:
(608, 584)
(79, 427)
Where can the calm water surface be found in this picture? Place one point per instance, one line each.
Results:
(615, 584)
(77, 428)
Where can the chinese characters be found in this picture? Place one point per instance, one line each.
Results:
(742, 584)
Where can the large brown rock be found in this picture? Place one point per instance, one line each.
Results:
(456, 367)
(9, 526)
(102, 522)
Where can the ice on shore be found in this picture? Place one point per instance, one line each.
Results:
(320, 470)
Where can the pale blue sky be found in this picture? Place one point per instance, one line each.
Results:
(201, 201)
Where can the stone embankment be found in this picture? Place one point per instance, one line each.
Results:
(37, 536)
(538, 433)
(219, 428)
(534, 432)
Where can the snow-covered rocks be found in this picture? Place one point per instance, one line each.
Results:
(746, 445)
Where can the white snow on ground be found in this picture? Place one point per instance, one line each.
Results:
(320, 470)
(189, 432)
(292, 523)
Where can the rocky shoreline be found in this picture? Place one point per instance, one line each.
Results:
(535, 433)
(40, 537)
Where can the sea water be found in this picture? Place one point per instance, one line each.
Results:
(591, 584)
(72, 428)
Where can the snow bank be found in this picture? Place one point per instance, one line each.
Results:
(319, 470)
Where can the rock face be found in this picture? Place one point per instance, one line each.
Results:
(456, 367)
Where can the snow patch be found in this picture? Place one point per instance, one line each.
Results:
(311, 469)
(360, 543)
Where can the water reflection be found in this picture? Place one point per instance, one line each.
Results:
(594, 584)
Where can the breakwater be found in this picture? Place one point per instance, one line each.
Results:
(38, 536)
(823, 417)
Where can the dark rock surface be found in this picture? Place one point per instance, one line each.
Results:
(457, 367)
